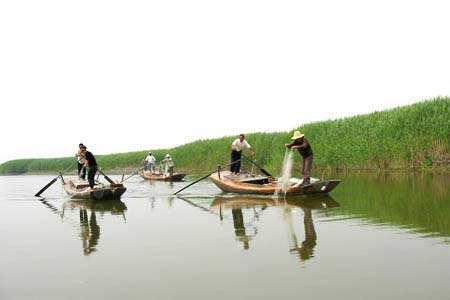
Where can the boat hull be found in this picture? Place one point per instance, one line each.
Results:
(173, 177)
(227, 182)
(104, 192)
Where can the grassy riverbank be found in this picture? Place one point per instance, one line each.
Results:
(414, 137)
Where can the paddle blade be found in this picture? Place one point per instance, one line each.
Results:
(46, 187)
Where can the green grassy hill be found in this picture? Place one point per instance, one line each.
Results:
(409, 137)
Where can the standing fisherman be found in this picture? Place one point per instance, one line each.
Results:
(91, 165)
(81, 161)
(237, 146)
(304, 148)
(150, 162)
(168, 165)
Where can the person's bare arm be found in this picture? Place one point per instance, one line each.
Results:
(293, 145)
(289, 145)
(304, 144)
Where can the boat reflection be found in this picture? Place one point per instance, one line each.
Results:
(89, 228)
(246, 210)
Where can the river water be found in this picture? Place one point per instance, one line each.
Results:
(376, 237)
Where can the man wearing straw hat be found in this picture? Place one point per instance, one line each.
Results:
(168, 165)
(304, 148)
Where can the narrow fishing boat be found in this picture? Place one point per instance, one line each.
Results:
(247, 183)
(81, 190)
(158, 176)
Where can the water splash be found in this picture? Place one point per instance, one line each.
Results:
(286, 172)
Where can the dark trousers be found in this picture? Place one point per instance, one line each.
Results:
(91, 175)
(235, 157)
(81, 171)
(306, 167)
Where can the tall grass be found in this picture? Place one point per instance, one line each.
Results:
(415, 136)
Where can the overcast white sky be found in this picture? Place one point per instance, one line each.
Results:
(133, 75)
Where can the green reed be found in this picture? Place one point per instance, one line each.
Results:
(408, 137)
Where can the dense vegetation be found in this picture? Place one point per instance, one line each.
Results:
(409, 137)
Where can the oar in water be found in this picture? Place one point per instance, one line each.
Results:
(259, 167)
(132, 174)
(106, 177)
(204, 177)
(192, 183)
(46, 186)
(51, 182)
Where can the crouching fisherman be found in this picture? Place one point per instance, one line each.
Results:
(91, 165)
(150, 162)
(304, 148)
(168, 165)
(237, 146)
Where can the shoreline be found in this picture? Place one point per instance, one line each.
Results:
(442, 170)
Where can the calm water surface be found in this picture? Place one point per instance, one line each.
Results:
(376, 237)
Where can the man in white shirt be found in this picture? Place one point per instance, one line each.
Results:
(150, 162)
(237, 146)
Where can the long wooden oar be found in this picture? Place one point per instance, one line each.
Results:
(204, 177)
(259, 167)
(46, 186)
(192, 183)
(106, 177)
(51, 182)
(132, 174)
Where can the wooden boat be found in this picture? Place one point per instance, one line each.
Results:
(158, 176)
(81, 190)
(247, 183)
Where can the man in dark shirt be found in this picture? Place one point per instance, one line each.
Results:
(304, 148)
(91, 165)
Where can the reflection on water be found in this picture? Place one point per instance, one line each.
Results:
(247, 210)
(418, 203)
(239, 227)
(306, 249)
(89, 230)
(288, 246)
